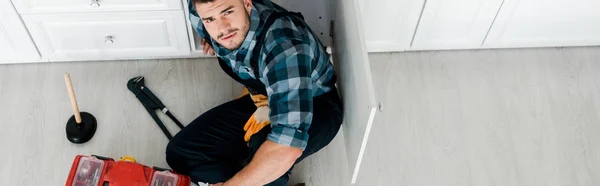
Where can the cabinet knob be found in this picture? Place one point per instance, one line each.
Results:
(95, 3)
(109, 40)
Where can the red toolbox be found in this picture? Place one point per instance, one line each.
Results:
(100, 171)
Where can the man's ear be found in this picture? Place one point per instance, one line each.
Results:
(248, 6)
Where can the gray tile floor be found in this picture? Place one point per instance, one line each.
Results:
(35, 107)
(489, 117)
(513, 117)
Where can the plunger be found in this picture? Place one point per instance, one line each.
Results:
(82, 125)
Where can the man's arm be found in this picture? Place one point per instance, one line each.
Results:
(270, 162)
(287, 77)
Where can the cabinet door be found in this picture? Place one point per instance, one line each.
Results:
(456, 24)
(351, 60)
(389, 24)
(544, 23)
(15, 43)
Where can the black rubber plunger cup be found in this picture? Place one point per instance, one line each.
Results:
(81, 132)
(81, 126)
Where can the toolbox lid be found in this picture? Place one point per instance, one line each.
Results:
(164, 178)
(88, 171)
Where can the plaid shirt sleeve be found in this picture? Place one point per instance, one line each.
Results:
(286, 73)
(195, 20)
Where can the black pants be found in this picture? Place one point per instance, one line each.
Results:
(212, 148)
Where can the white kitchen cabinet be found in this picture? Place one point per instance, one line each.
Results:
(118, 35)
(545, 23)
(457, 24)
(15, 43)
(356, 85)
(389, 24)
(63, 6)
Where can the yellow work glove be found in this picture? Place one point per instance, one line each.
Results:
(244, 93)
(260, 118)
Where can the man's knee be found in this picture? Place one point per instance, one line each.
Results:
(173, 145)
(175, 159)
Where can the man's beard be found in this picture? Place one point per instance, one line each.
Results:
(244, 30)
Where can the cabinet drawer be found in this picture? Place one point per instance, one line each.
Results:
(101, 36)
(64, 6)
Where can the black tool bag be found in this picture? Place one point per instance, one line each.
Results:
(151, 103)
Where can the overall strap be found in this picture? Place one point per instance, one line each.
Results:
(255, 86)
(260, 39)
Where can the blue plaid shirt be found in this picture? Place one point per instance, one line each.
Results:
(293, 66)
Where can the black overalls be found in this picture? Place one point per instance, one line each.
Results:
(212, 148)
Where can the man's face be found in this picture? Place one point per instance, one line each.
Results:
(226, 21)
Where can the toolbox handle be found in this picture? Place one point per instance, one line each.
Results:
(103, 158)
(161, 169)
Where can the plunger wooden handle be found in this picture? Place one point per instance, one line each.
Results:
(73, 99)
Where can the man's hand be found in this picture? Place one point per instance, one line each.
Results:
(261, 115)
(217, 184)
(257, 122)
(260, 118)
(207, 48)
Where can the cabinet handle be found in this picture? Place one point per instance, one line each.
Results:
(109, 40)
(95, 3)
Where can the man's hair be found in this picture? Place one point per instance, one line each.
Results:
(202, 1)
